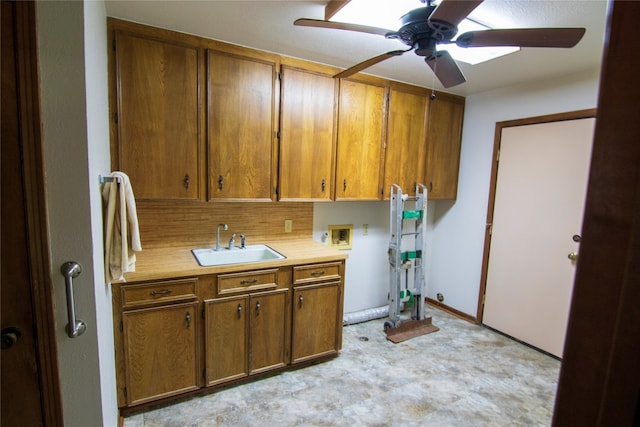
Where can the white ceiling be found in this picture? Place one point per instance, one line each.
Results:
(268, 25)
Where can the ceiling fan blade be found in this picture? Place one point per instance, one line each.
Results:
(446, 69)
(368, 63)
(523, 37)
(304, 22)
(454, 11)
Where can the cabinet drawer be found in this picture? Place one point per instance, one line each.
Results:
(159, 292)
(316, 273)
(243, 282)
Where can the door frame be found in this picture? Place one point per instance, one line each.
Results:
(36, 211)
(549, 118)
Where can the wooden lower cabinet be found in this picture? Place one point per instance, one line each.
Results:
(244, 335)
(268, 330)
(226, 339)
(177, 336)
(160, 348)
(315, 321)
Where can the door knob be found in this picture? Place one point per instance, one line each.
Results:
(10, 336)
(573, 256)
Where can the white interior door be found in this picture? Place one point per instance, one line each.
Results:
(539, 201)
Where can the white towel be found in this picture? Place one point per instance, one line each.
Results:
(122, 234)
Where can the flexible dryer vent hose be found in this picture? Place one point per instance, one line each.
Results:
(365, 315)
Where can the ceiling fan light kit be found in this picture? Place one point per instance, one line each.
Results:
(425, 28)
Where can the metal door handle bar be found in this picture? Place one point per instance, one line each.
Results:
(70, 270)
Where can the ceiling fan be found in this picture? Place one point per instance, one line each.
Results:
(426, 27)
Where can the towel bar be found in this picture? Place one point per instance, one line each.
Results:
(103, 179)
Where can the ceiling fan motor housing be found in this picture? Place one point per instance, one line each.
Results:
(422, 34)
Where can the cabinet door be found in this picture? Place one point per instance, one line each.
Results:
(160, 351)
(315, 321)
(307, 135)
(242, 163)
(157, 116)
(406, 140)
(226, 339)
(443, 146)
(268, 330)
(361, 132)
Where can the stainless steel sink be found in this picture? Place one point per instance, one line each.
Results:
(208, 257)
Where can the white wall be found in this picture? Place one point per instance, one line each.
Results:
(459, 227)
(96, 78)
(455, 229)
(367, 272)
(75, 139)
(366, 284)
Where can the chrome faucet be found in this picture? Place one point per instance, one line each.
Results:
(232, 241)
(224, 227)
(242, 241)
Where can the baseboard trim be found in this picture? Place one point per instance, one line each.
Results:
(464, 316)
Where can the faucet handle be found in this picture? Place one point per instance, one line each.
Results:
(242, 241)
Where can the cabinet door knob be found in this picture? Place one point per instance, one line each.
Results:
(258, 307)
(187, 317)
(239, 310)
(300, 299)
(186, 181)
(344, 183)
(220, 182)
(324, 184)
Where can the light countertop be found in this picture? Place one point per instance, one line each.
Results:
(166, 263)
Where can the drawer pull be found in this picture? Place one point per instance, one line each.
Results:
(317, 273)
(161, 292)
(248, 282)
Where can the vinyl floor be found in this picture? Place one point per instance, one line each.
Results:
(461, 375)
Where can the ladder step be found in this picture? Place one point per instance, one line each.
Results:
(410, 234)
(416, 214)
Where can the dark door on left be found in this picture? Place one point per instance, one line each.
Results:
(21, 396)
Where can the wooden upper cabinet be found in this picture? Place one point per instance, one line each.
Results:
(443, 146)
(307, 135)
(362, 126)
(406, 139)
(241, 127)
(158, 116)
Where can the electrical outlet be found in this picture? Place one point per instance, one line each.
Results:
(288, 225)
(365, 229)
